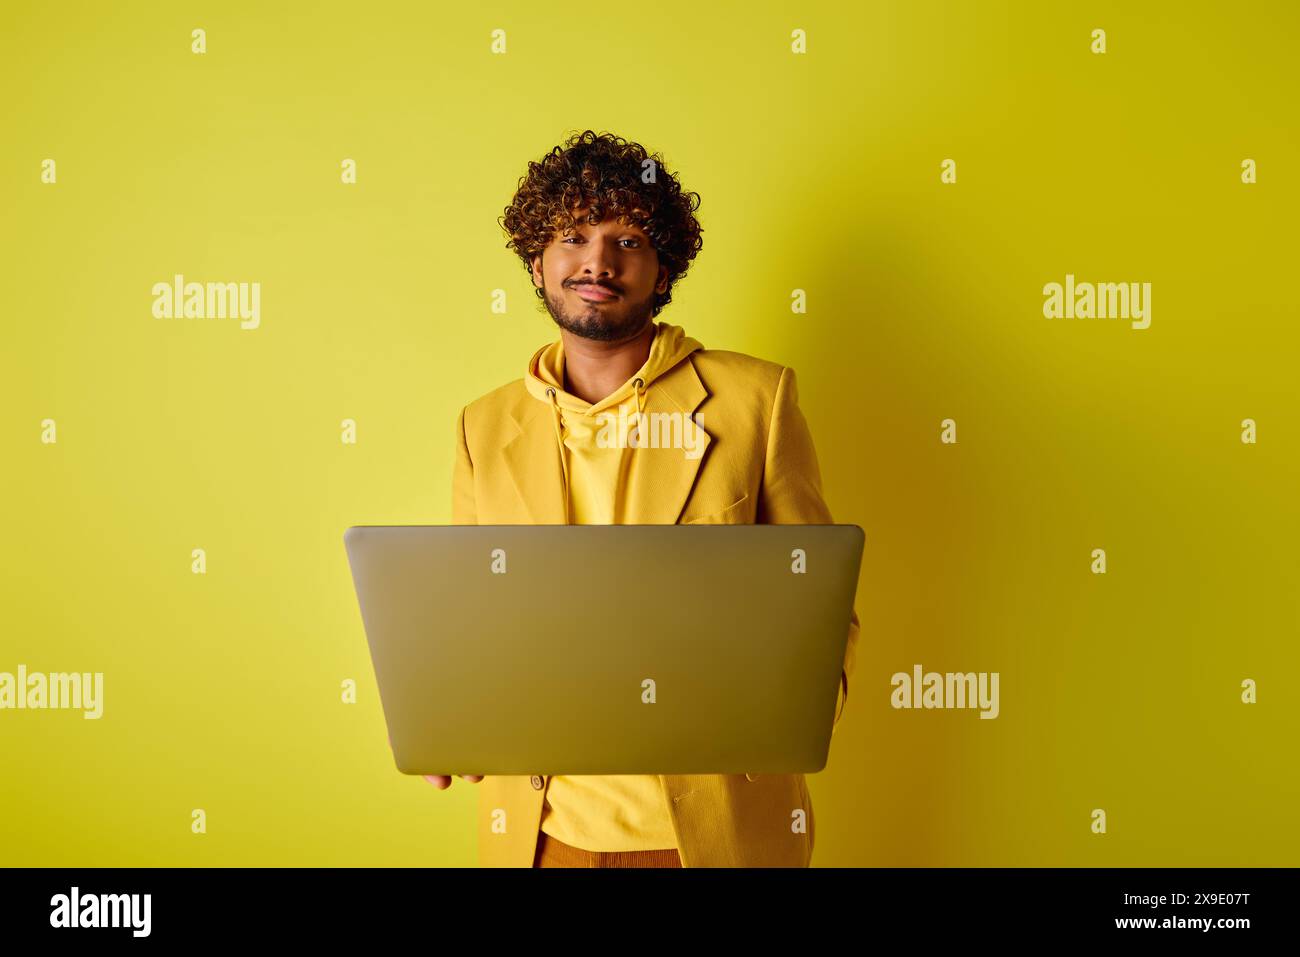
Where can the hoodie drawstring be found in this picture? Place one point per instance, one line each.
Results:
(559, 442)
(637, 388)
(637, 383)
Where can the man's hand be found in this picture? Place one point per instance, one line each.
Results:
(443, 781)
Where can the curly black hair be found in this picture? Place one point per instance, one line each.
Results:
(607, 173)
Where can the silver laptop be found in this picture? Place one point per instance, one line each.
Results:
(607, 649)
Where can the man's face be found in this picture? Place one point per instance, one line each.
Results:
(599, 281)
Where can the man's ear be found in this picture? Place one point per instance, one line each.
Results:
(537, 270)
(662, 285)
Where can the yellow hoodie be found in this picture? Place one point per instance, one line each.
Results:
(578, 424)
(623, 812)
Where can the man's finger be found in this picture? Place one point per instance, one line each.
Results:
(440, 781)
(475, 778)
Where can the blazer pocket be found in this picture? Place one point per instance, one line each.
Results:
(733, 514)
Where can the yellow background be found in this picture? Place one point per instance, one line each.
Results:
(818, 172)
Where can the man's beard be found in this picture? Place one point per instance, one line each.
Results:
(594, 322)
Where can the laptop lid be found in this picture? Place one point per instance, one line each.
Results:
(607, 649)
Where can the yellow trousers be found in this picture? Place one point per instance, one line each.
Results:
(553, 853)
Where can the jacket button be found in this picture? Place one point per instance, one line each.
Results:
(537, 782)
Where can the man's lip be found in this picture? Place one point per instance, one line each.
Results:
(594, 293)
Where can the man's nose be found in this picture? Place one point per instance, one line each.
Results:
(600, 260)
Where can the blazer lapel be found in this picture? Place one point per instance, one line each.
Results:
(533, 460)
(659, 481)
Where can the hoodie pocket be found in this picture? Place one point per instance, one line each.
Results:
(737, 513)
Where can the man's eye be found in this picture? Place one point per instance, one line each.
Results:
(635, 242)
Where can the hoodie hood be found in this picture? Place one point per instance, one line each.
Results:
(581, 419)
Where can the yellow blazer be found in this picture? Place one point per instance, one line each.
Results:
(758, 466)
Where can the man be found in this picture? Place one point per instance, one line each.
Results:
(604, 242)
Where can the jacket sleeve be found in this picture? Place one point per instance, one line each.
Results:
(791, 494)
(463, 511)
